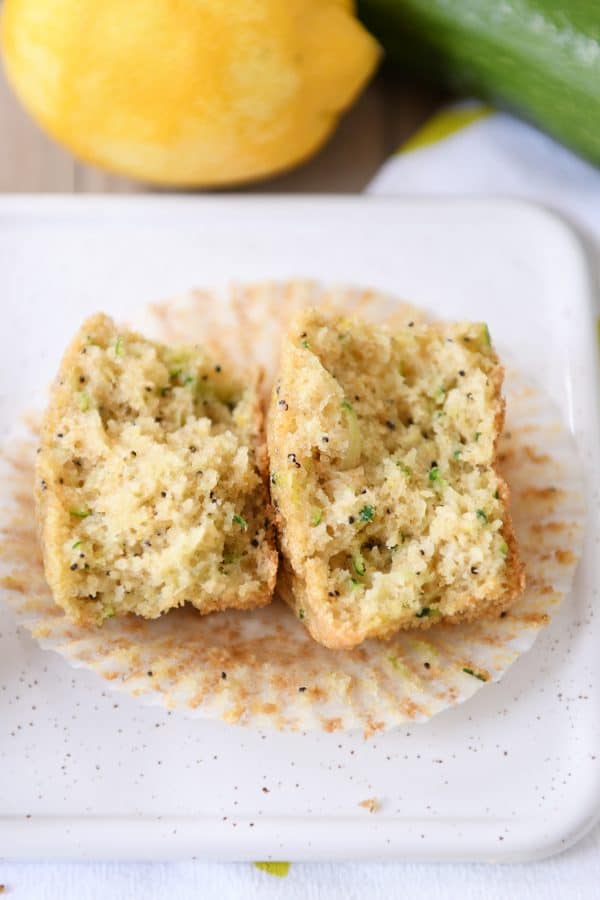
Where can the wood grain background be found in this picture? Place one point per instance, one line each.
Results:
(387, 113)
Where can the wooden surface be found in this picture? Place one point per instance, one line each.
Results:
(387, 113)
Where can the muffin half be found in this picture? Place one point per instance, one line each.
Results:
(382, 448)
(150, 482)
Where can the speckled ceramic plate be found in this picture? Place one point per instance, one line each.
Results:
(446, 789)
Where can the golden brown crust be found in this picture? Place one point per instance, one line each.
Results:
(262, 458)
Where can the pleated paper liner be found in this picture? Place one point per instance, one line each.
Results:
(260, 668)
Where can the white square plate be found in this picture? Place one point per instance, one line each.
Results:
(513, 774)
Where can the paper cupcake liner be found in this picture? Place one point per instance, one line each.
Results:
(261, 668)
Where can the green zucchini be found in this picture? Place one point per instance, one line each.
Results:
(538, 58)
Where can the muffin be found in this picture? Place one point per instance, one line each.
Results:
(150, 481)
(382, 447)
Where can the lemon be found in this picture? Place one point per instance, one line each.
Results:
(187, 92)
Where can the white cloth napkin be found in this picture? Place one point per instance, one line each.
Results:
(465, 150)
(470, 149)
